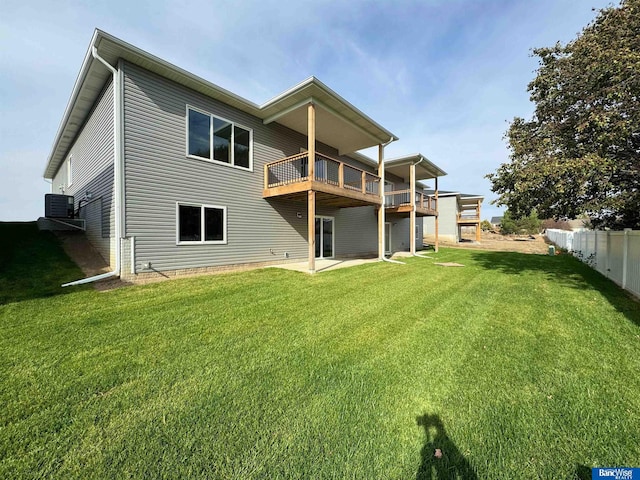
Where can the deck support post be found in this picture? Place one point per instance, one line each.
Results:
(382, 205)
(311, 200)
(437, 215)
(412, 214)
(478, 230)
(311, 224)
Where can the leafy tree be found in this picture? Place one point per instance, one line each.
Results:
(508, 225)
(580, 152)
(528, 224)
(486, 226)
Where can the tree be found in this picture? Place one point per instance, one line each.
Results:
(580, 152)
(508, 225)
(527, 224)
(486, 226)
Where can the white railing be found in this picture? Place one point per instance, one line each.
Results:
(614, 254)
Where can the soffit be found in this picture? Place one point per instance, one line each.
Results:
(425, 169)
(338, 123)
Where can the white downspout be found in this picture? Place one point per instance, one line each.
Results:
(117, 174)
(414, 165)
(382, 208)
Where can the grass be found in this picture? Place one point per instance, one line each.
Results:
(515, 366)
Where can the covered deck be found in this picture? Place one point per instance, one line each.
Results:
(336, 183)
(313, 109)
(410, 202)
(398, 203)
(469, 213)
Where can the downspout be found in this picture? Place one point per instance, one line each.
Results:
(414, 165)
(117, 174)
(382, 207)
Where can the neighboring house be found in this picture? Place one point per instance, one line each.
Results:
(496, 221)
(455, 211)
(173, 174)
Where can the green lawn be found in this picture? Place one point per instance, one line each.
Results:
(515, 366)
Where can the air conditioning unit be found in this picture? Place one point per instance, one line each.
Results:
(58, 206)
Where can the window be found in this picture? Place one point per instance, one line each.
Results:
(201, 224)
(69, 171)
(221, 141)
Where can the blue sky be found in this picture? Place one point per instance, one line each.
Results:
(446, 76)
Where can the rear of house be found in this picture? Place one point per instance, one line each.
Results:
(173, 174)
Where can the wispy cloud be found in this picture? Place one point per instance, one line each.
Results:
(444, 75)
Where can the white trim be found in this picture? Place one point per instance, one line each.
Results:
(333, 236)
(69, 171)
(132, 247)
(211, 150)
(202, 224)
(387, 249)
(288, 110)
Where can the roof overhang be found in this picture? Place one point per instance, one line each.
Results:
(338, 123)
(401, 167)
(465, 200)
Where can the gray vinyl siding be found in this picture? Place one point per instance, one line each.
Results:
(92, 156)
(356, 231)
(400, 234)
(158, 175)
(447, 219)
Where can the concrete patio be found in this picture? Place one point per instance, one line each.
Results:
(324, 265)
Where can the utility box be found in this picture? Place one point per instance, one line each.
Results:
(58, 206)
(552, 250)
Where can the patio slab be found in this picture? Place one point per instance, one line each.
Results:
(324, 265)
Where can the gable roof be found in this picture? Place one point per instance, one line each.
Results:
(338, 122)
(425, 169)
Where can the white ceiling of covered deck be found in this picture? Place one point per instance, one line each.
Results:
(338, 123)
(401, 167)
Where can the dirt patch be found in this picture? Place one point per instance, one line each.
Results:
(83, 254)
(501, 243)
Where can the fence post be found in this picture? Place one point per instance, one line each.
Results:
(625, 256)
(608, 261)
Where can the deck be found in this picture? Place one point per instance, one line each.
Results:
(398, 203)
(336, 183)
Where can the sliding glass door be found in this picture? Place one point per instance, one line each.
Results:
(324, 237)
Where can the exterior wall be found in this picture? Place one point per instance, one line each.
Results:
(400, 234)
(92, 156)
(356, 231)
(158, 175)
(447, 220)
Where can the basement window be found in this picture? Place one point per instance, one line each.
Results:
(218, 140)
(197, 224)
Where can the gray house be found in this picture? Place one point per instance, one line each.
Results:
(455, 211)
(173, 174)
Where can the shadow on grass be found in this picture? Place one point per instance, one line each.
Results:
(582, 473)
(441, 458)
(566, 271)
(33, 264)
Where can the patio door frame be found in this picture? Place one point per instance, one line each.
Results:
(387, 244)
(321, 236)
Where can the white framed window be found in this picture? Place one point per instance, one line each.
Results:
(198, 224)
(69, 170)
(218, 140)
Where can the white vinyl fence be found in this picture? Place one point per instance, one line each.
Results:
(614, 254)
